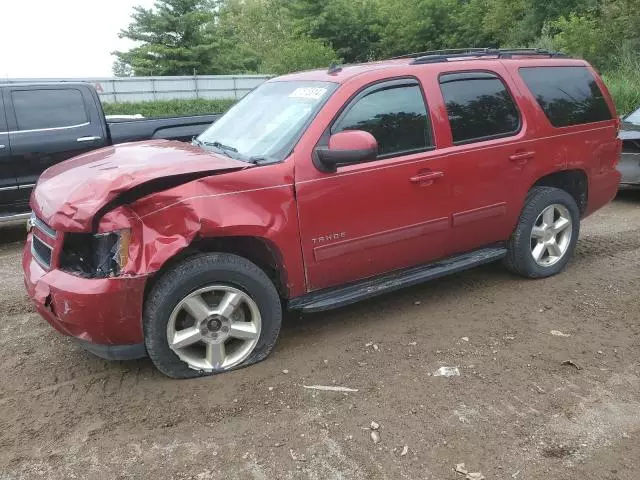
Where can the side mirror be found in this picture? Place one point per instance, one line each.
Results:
(345, 148)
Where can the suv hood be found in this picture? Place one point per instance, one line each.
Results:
(71, 193)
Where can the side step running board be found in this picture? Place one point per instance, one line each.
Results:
(342, 296)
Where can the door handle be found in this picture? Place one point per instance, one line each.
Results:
(522, 158)
(426, 178)
(88, 139)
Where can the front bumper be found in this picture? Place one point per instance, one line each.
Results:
(629, 168)
(103, 313)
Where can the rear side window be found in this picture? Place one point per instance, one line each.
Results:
(396, 117)
(479, 107)
(41, 109)
(568, 95)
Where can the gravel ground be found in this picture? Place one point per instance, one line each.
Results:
(514, 412)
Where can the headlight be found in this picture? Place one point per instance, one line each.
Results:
(96, 256)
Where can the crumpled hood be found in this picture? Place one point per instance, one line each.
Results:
(70, 193)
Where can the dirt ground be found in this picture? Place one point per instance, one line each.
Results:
(515, 412)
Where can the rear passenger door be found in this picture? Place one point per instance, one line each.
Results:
(49, 124)
(8, 186)
(486, 153)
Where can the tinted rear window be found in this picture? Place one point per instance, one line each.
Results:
(40, 109)
(568, 95)
(479, 106)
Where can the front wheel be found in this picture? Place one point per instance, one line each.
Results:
(210, 314)
(546, 235)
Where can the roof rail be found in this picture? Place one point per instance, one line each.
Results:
(446, 51)
(431, 57)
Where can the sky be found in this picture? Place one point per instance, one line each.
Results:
(62, 38)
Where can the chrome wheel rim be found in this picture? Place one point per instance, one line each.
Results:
(214, 328)
(551, 235)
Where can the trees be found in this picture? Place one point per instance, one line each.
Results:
(122, 69)
(608, 35)
(351, 27)
(178, 37)
(264, 30)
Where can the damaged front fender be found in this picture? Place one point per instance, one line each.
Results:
(242, 204)
(188, 196)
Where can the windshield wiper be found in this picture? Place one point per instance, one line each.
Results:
(256, 160)
(221, 146)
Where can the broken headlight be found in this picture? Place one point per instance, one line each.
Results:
(99, 255)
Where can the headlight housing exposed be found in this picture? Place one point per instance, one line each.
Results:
(99, 255)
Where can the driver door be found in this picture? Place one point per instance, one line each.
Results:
(382, 215)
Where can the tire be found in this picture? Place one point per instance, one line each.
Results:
(232, 276)
(525, 242)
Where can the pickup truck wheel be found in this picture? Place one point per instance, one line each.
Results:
(209, 314)
(546, 235)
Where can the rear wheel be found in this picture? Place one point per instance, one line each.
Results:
(209, 314)
(546, 235)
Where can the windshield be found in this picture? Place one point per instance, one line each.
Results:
(266, 124)
(633, 117)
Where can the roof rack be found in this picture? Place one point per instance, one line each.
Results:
(446, 51)
(438, 56)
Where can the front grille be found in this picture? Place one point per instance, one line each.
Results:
(41, 252)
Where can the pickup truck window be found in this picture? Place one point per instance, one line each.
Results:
(479, 107)
(268, 122)
(48, 108)
(396, 117)
(568, 95)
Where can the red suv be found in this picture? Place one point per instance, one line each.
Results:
(317, 190)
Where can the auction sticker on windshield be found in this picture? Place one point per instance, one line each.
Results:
(309, 93)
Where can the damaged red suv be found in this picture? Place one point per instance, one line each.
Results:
(317, 190)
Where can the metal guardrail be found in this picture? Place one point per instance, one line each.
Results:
(140, 89)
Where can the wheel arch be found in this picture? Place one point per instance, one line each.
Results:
(574, 182)
(257, 250)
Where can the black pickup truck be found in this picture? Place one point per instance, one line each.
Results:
(43, 124)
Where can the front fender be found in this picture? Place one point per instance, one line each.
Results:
(165, 224)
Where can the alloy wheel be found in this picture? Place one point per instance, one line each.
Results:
(551, 235)
(214, 328)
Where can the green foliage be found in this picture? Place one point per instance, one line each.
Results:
(607, 36)
(352, 28)
(122, 69)
(280, 36)
(168, 108)
(298, 54)
(580, 35)
(624, 85)
(264, 30)
(176, 38)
